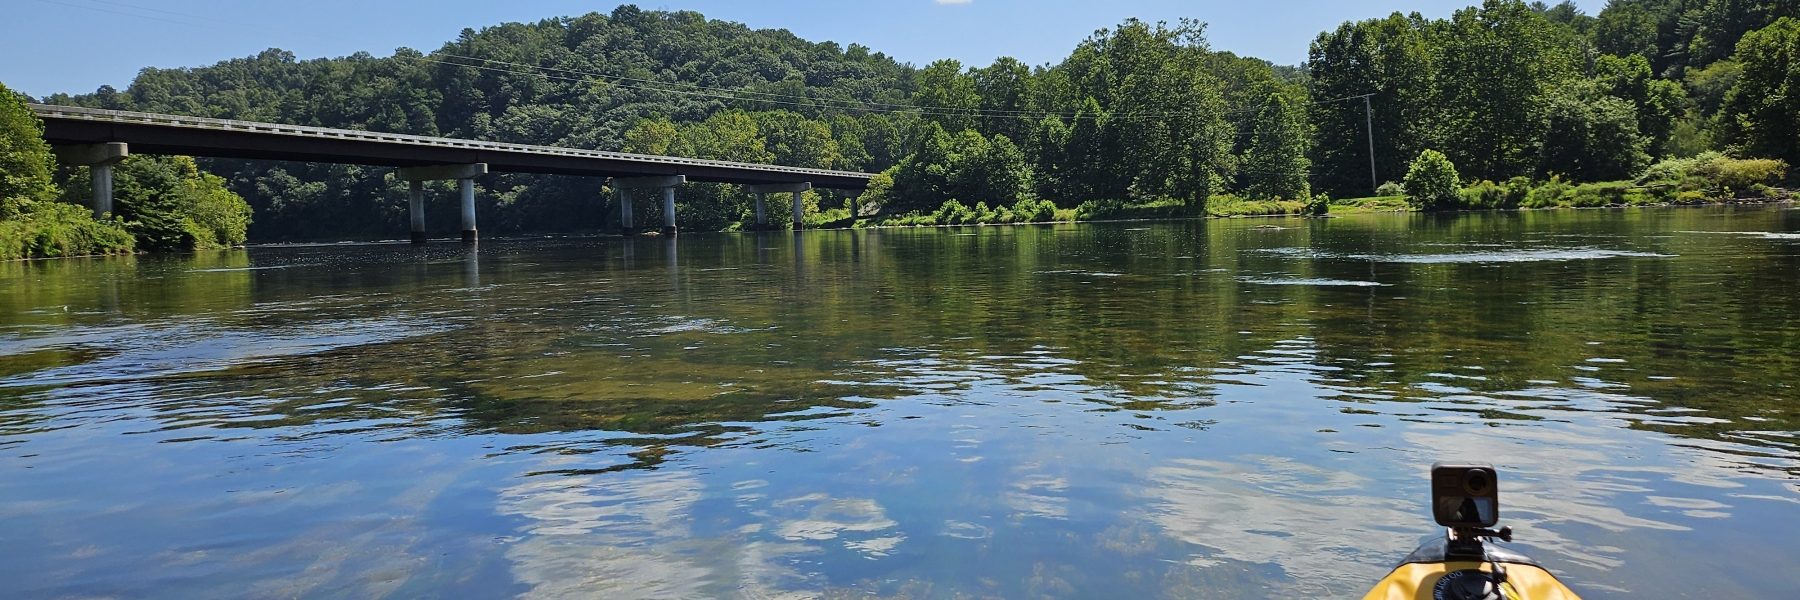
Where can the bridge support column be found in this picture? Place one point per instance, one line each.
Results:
(102, 177)
(464, 175)
(466, 186)
(762, 216)
(624, 197)
(666, 183)
(415, 199)
(99, 159)
(796, 189)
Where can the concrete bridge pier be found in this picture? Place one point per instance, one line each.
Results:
(99, 159)
(666, 183)
(668, 211)
(465, 180)
(796, 189)
(415, 198)
(624, 199)
(466, 188)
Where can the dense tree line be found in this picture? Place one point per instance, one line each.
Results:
(582, 82)
(1137, 112)
(1510, 89)
(1142, 114)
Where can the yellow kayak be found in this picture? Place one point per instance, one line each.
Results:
(1434, 572)
(1465, 564)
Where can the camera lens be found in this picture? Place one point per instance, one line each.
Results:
(1477, 482)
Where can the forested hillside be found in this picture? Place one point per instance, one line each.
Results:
(578, 82)
(1509, 89)
(1143, 115)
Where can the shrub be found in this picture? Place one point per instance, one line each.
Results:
(914, 219)
(1740, 176)
(1431, 182)
(981, 213)
(1605, 193)
(1227, 205)
(1027, 210)
(1003, 214)
(1482, 194)
(1713, 175)
(1390, 189)
(54, 229)
(1319, 205)
(1099, 209)
(954, 212)
(1548, 194)
(1162, 208)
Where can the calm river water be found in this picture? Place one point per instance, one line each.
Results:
(1239, 408)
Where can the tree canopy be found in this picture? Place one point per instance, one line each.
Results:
(1140, 112)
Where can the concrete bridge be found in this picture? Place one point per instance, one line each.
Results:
(99, 139)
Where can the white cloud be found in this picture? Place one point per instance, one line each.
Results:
(954, 1)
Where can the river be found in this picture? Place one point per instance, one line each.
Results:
(1227, 408)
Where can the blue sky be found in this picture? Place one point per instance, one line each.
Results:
(51, 46)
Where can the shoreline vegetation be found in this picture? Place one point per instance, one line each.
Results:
(161, 203)
(1647, 102)
(1708, 178)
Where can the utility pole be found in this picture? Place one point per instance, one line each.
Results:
(1369, 113)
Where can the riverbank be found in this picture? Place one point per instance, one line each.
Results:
(1235, 208)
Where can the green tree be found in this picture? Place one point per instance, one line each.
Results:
(1761, 113)
(1595, 136)
(1658, 104)
(875, 198)
(947, 96)
(1149, 119)
(32, 223)
(1275, 167)
(655, 136)
(167, 203)
(992, 170)
(1432, 182)
(797, 141)
(1679, 35)
(728, 135)
(25, 161)
(1055, 173)
(964, 166)
(1638, 27)
(1498, 61)
(1392, 58)
(1708, 86)
(1005, 90)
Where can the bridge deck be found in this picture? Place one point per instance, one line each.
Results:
(150, 133)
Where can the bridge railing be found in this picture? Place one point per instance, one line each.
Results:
(47, 111)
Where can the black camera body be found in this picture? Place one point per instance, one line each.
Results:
(1465, 496)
